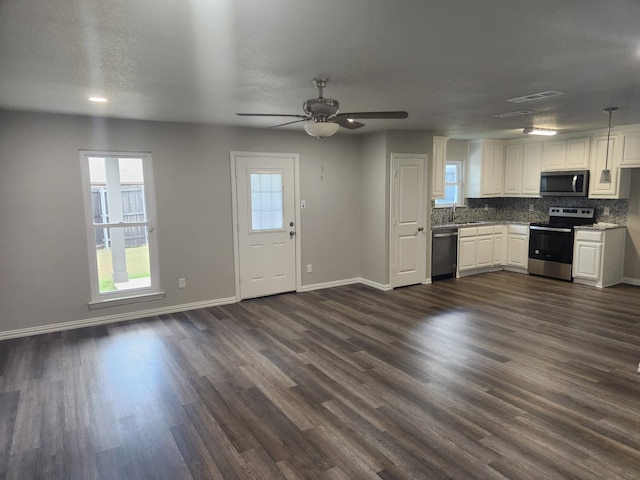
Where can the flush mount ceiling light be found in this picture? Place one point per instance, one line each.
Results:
(98, 99)
(321, 129)
(605, 176)
(539, 131)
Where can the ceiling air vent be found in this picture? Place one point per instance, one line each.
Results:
(535, 96)
(513, 114)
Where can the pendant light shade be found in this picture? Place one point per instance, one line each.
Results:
(605, 176)
(321, 129)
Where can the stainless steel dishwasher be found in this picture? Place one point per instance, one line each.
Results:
(444, 253)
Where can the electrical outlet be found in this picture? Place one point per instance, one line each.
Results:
(182, 283)
(606, 211)
(531, 207)
(303, 204)
(486, 207)
(309, 268)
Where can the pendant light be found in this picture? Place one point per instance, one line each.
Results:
(605, 176)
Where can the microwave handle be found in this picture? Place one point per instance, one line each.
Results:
(573, 183)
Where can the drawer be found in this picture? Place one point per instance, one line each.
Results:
(468, 232)
(589, 236)
(519, 229)
(485, 230)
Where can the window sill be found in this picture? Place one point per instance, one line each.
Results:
(114, 302)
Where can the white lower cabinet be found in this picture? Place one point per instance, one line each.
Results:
(598, 257)
(518, 247)
(499, 245)
(480, 248)
(467, 248)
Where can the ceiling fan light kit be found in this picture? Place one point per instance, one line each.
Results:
(321, 129)
(323, 117)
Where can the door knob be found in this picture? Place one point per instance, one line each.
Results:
(420, 229)
(291, 234)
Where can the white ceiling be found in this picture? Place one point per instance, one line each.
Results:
(452, 64)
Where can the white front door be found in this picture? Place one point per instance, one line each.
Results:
(408, 235)
(266, 223)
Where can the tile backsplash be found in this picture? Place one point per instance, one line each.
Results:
(526, 209)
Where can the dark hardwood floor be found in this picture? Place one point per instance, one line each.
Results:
(492, 376)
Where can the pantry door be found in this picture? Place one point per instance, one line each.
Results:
(266, 223)
(408, 240)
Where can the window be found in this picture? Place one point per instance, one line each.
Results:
(267, 205)
(120, 211)
(453, 185)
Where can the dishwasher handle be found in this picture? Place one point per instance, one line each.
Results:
(443, 235)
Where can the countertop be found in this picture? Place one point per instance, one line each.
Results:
(595, 226)
(474, 224)
(599, 226)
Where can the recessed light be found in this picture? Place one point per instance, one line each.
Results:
(539, 131)
(98, 99)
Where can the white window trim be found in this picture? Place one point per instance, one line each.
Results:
(460, 202)
(108, 299)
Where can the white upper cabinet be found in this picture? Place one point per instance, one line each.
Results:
(531, 168)
(578, 153)
(570, 154)
(513, 170)
(486, 169)
(630, 149)
(439, 164)
(522, 166)
(620, 178)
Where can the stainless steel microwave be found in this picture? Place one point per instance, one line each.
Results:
(564, 184)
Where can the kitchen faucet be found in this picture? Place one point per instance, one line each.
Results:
(453, 212)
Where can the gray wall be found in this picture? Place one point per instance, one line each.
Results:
(373, 201)
(43, 249)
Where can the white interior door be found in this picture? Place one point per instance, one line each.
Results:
(408, 236)
(266, 224)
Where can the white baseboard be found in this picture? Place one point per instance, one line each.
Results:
(336, 283)
(106, 319)
(90, 322)
(631, 281)
(379, 286)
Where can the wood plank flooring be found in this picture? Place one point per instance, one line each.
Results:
(493, 376)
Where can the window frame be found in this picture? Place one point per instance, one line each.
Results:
(439, 202)
(112, 298)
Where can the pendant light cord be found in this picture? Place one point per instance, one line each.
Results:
(606, 160)
(610, 111)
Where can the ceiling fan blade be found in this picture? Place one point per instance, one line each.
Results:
(289, 123)
(271, 115)
(346, 123)
(374, 115)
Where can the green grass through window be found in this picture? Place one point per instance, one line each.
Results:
(137, 266)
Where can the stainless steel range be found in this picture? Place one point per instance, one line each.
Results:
(551, 244)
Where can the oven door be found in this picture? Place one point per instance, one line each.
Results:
(554, 244)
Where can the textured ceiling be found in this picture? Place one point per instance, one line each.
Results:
(452, 64)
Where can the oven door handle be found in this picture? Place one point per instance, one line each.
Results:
(550, 229)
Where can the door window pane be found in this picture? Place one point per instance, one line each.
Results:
(267, 212)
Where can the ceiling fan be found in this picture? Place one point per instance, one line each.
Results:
(323, 117)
